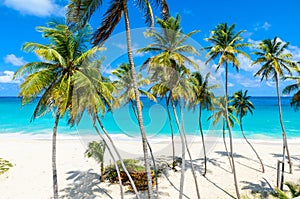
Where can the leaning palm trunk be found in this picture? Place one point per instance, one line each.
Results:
(225, 145)
(202, 137)
(285, 145)
(182, 149)
(114, 160)
(172, 133)
(261, 163)
(150, 150)
(138, 104)
(55, 186)
(230, 133)
(120, 158)
(189, 153)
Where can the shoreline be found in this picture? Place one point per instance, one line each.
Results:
(126, 138)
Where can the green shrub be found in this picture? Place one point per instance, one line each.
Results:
(5, 165)
(137, 172)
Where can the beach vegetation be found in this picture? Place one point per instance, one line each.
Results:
(226, 45)
(5, 165)
(219, 114)
(295, 102)
(96, 151)
(51, 80)
(276, 63)
(136, 170)
(169, 74)
(80, 12)
(242, 104)
(203, 97)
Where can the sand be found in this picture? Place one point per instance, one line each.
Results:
(31, 175)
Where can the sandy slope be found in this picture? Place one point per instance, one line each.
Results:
(30, 178)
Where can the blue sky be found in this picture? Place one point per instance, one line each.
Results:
(261, 20)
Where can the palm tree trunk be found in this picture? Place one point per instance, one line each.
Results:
(101, 171)
(202, 137)
(54, 171)
(151, 14)
(188, 150)
(138, 104)
(183, 151)
(120, 158)
(230, 133)
(285, 145)
(224, 141)
(261, 163)
(150, 150)
(114, 160)
(172, 133)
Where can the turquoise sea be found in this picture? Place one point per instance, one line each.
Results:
(263, 124)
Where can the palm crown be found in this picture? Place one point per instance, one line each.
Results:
(274, 59)
(242, 104)
(226, 44)
(53, 78)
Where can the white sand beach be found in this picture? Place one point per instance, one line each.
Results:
(31, 176)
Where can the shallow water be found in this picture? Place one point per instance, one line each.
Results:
(263, 124)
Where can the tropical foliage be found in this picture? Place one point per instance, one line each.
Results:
(295, 102)
(5, 165)
(226, 46)
(204, 98)
(96, 150)
(242, 104)
(276, 63)
(54, 78)
(136, 170)
(68, 81)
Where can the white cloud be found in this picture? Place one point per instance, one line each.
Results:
(294, 50)
(246, 64)
(245, 81)
(40, 8)
(215, 76)
(264, 26)
(14, 60)
(270, 83)
(253, 42)
(7, 77)
(230, 84)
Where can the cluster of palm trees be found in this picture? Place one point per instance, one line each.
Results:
(69, 81)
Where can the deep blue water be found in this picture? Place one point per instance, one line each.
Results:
(264, 123)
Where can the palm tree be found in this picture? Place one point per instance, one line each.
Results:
(168, 69)
(203, 98)
(53, 78)
(79, 12)
(124, 84)
(275, 62)
(96, 150)
(171, 48)
(219, 112)
(294, 87)
(242, 104)
(93, 94)
(226, 45)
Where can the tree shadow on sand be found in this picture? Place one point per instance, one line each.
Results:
(238, 156)
(85, 184)
(294, 158)
(264, 187)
